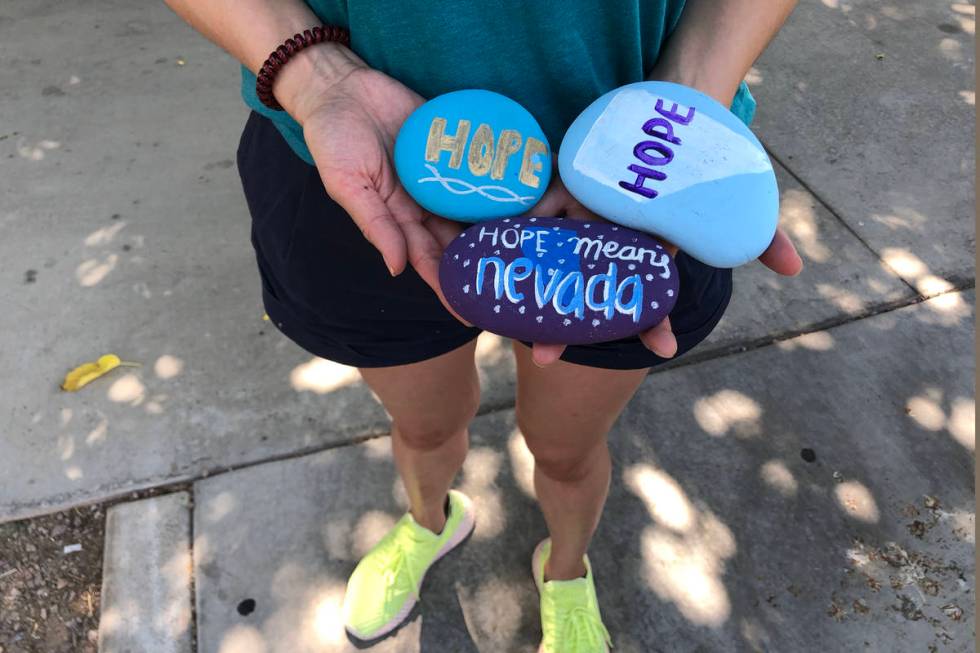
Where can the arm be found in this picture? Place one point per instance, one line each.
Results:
(717, 41)
(350, 116)
(711, 50)
(250, 29)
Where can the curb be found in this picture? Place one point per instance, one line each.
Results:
(146, 578)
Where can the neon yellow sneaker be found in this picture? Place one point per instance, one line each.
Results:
(570, 619)
(385, 584)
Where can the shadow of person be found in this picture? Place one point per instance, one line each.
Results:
(444, 625)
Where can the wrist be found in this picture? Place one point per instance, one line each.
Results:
(307, 78)
(708, 81)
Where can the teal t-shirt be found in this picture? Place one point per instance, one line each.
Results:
(552, 56)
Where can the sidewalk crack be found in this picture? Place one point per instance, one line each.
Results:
(834, 212)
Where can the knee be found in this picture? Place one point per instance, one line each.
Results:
(439, 425)
(559, 462)
(426, 437)
(562, 466)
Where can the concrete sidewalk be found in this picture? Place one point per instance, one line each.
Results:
(717, 535)
(124, 230)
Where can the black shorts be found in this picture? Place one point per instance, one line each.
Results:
(327, 289)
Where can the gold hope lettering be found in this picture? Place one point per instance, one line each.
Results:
(439, 142)
(508, 143)
(481, 150)
(530, 165)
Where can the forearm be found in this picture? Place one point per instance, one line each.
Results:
(717, 41)
(250, 29)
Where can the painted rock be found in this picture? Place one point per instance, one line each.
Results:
(557, 280)
(671, 161)
(472, 156)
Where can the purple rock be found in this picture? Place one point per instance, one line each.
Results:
(558, 280)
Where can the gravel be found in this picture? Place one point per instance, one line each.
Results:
(49, 599)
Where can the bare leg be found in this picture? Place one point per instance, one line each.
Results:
(431, 404)
(565, 412)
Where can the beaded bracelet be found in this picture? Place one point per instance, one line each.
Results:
(278, 58)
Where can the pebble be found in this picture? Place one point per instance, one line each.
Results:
(669, 160)
(473, 155)
(558, 280)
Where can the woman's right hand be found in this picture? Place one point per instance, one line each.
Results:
(350, 123)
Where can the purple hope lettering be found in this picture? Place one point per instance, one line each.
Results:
(642, 174)
(650, 127)
(673, 115)
(642, 150)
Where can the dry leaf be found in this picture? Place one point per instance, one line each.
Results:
(88, 372)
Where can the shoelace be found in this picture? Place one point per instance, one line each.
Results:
(397, 560)
(579, 628)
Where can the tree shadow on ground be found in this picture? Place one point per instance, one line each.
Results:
(721, 533)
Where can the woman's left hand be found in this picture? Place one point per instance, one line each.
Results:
(781, 257)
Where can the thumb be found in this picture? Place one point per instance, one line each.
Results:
(544, 355)
(781, 256)
(660, 339)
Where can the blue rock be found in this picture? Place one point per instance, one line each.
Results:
(668, 160)
(558, 280)
(472, 156)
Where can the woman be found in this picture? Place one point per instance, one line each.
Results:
(349, 262)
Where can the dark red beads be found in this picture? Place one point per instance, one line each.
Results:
(278, 58)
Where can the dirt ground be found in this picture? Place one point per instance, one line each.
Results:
(49, 587)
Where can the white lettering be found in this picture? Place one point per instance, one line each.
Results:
(484, 232)
(481, 269)
(514, 234)
(512, 276)
(589, 245)
(663, 264)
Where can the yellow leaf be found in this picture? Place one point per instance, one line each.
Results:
(265, 316)
(88, 372)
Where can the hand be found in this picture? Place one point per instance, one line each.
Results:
(780, 257)
(350, 126)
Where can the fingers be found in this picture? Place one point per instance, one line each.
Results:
(376, 222)
(578, 212)
(552, 202)
(559, 203)
(425, 254)
(425, 241)
(781, 256)
(423, 249)
(550, 205)
(445, 231)
(660, 339)
(544, 355)
(671, 248)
